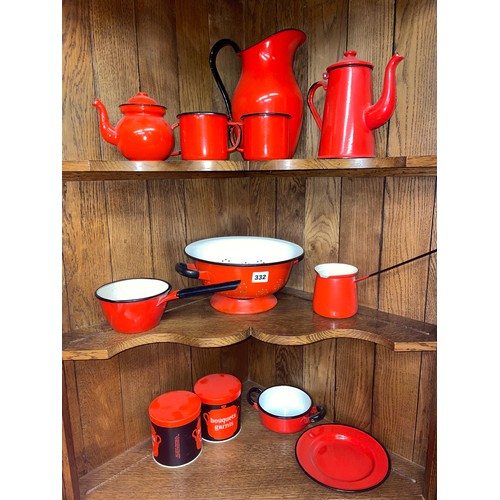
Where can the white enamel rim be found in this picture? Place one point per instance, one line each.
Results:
(244, 250)
(332, 269)
(132, 290)
(284, 401)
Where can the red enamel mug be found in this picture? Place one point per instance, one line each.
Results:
(335, 294)
(205, 136)
(266, 136)
(285, 408)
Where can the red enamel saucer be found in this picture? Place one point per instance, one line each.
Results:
(342, 457)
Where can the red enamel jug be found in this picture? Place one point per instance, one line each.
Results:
(141, 134)
(349, 117)
(267, 83)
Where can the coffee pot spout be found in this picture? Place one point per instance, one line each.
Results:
(108, 132)
(379, 113)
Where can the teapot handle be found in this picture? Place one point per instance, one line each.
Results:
(212, 61)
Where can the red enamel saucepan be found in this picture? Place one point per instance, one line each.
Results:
(136, 305)
(285, 408)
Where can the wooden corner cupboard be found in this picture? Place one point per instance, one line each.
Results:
(257, 455)
(375, 371)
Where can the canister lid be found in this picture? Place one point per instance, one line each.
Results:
(218, 388)
(174, 409)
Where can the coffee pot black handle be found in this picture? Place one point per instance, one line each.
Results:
(213, 67)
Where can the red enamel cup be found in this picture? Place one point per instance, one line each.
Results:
(205, 136)
(335, 294)
(266, 136)
(136, 305)
(285, 408)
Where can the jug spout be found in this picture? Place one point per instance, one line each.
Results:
(378, 114)
(274, 54)
(107, 131)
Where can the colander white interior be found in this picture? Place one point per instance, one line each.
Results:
(285, 401)
(244, 250)
(132, 289)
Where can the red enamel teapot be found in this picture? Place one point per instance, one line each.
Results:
(142, 134)
(349, 117)
(267, 83)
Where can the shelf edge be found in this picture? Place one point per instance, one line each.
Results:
(81, 170)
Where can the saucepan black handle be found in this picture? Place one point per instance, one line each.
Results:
(204, 289)
(319, 415)
(253, 390)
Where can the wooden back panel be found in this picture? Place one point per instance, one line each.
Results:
(113, 49)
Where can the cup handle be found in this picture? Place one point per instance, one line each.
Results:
(250, 400)
(240, 125)
(175, 153)
(235, 141)
(318, 413)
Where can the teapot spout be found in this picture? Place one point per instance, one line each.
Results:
(107, 131)
(378, 114)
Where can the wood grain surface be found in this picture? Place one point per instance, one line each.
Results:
(123, 219)
(180, 169)
(114, 59)
(257, 463)
(291, 322)
(80, 139)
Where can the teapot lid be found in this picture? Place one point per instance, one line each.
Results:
(350, 59)
(142, 99)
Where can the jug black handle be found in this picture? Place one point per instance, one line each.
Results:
(211, 60)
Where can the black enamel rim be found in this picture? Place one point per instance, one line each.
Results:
(284, 417)
(169, 286)
(201, 113)
(255, 264)
(340, 489)
(267, 113)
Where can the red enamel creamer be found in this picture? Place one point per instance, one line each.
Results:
(220, 396)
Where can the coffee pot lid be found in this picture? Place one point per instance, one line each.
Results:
(350, 59)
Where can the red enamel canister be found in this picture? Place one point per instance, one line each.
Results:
(175, 428)
(220, 396)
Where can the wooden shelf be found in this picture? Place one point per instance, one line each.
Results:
(292, 322)
(95, 170)
(257, 463)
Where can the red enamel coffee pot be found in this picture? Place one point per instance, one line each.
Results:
(349, 117)
(142, 134)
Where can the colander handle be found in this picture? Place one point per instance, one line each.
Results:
(183, 269)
